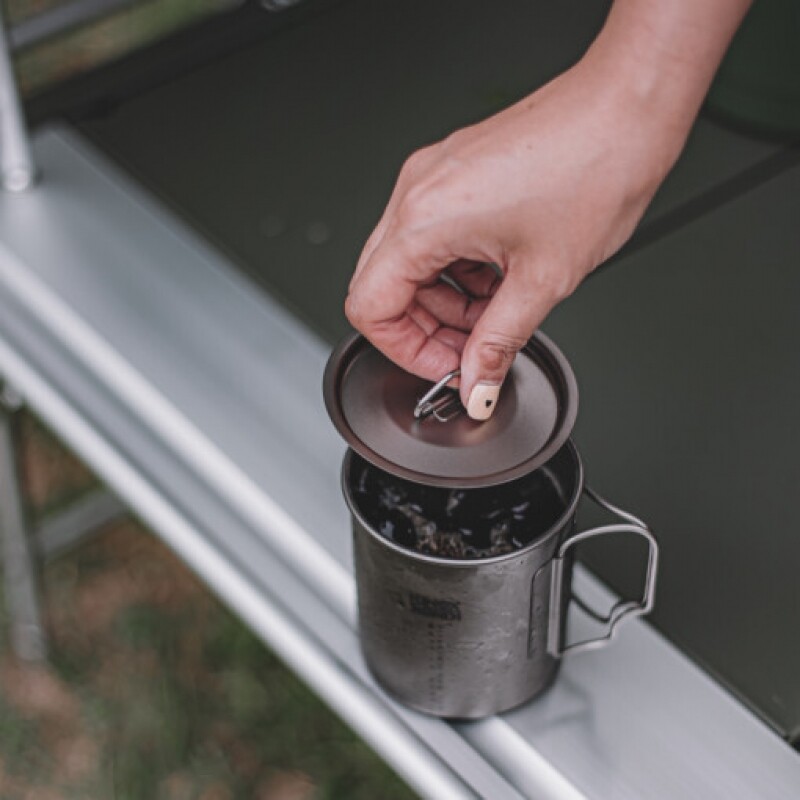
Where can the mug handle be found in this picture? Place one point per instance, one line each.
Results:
(623, 608)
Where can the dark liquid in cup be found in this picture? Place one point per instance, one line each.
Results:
(457, 523)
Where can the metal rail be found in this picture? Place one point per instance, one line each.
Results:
(22, 598)
(61, 531)
(240, 477)
(16, 163)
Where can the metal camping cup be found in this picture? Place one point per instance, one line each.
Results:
(469, 638)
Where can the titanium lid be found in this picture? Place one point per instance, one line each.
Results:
(372, 401)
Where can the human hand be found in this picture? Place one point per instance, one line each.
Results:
(545, 190)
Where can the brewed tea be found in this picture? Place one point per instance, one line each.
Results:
(457, 523)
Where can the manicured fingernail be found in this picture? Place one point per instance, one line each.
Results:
(482, 400)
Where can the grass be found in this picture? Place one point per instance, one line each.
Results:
(154, 690)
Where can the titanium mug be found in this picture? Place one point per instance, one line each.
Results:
(470, 638)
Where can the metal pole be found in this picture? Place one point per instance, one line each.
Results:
(27, 633)
(16, 163)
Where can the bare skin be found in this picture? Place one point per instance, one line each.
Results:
(546, 190)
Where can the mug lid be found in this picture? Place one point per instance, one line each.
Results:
(372, 403)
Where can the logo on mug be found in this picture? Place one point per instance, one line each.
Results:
(428, 607)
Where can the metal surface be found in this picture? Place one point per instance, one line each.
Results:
(455, 638)
(64, 529)
(372, 404)
(469, 638)
(232, 460)
(247, 544)
(17, 171)
(9, 398)
(621, 610)
(252, 591)
(19, 563)
(437, 402)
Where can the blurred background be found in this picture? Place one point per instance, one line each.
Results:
(129, 25)
(153, 690)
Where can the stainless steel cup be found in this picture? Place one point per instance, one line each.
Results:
(467, 639)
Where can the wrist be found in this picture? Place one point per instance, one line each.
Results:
(658, 59)
(642, 116)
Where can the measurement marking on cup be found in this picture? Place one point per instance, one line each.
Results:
(435, 662)
(429, 607)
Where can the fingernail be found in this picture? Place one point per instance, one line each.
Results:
(482, 400)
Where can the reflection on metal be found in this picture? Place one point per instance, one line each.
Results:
(242, 549)
(17, 166)
(239, 477)
(27, 634)
(218, 543)
(443, 406)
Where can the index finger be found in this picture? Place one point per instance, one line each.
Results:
(380, 301)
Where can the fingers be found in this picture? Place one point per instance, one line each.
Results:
(477, 281)
(423, 326)
(509, 320)
(382, 305)
(476, 277)
(372, 242)
(451, 307)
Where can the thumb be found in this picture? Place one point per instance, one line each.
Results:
(509, 320)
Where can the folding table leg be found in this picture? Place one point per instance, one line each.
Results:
(19, 563)
(17, 170)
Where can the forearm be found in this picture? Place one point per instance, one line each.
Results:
(546, 190)
(664, 53)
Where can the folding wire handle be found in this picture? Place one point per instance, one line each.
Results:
(623, 609)
(443, 406)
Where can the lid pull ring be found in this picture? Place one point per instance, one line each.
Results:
(442, 406)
